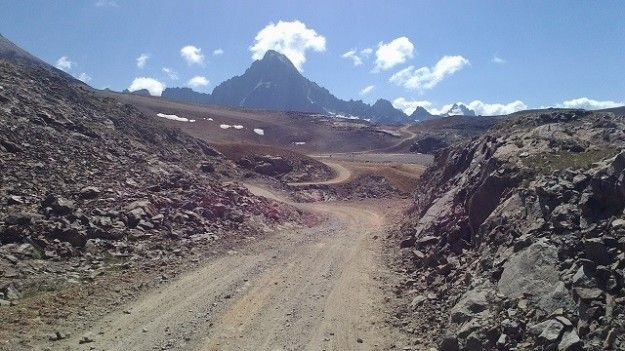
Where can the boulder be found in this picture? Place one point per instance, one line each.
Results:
(552, 331)
(73, 234)
(597, 251)
(10, 146)
(206, 167)
(138, 210)
(60, 206)
(570, 342)
(89, 192)
(22, 218)
(533, 271)
(272, 165)
(449, 343)
(472, 303)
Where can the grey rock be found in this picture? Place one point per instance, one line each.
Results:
(90, 192)
(502, 341)
(473, 302)
(474, 343)
(60, 206)
(597, 251)
(87, 338)
(418, 300)
(570, 342)
(449, 343)
(552, 331)
(533, 271)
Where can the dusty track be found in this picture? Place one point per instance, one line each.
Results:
(308, 289)
(341, 175)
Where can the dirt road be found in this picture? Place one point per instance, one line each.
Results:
(302, 289)
(341, 175)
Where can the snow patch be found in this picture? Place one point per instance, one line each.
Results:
(225, 126)
(338, 115)
(259, 131)
(238, 126)
(175, 118)
(300, 143)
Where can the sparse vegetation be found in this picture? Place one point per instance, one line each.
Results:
(547, 163)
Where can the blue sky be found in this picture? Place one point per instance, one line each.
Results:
(495, 56)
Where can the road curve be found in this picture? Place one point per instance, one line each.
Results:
(341, 175)
(300, 289)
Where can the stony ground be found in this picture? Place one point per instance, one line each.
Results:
(517, 239)
(89, 186)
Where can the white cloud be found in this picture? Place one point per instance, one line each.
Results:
(486, 109)
(480, 108)
(366, 90)
(152, 85)
(408, 106)
(142, 60)
(218, 52)
(590, 104)
(357, 57)
(351, 54)
(292, 39)
(392, 54)
(84, 77)
(498, 60)
(173, 75)
(106, 3)
(64, 63)
(428, 77)
(192, 54)
(198, 81)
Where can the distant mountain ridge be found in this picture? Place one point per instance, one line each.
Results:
(273, 83)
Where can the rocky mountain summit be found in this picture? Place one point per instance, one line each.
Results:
(458, 109)
(273, 83)
(421, 114)
(517, 238)
(88, 183)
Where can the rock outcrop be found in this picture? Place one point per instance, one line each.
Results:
(517, 238)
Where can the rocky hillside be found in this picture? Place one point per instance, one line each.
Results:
(438, 133)
(87, 183)
(517, 239)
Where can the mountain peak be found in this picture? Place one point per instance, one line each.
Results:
(459, 109)
(383, 103)
(274, 54)
(275, 60)
(274, 83)
(420, 114)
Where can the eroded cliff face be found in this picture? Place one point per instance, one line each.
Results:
(516, 240)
